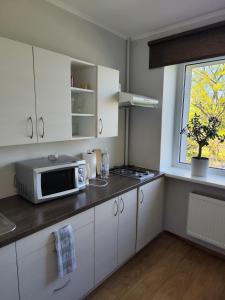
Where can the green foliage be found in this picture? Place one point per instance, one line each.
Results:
(203, 133)
(207, 99)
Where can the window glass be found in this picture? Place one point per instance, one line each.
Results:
(204, 94)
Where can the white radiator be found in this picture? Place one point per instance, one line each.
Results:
(206, 219)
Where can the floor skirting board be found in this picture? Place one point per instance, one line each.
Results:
(196, 245)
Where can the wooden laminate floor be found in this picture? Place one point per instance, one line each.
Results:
(167, 269)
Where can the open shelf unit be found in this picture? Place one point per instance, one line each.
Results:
(81, 90)
(83, 125)
(83, 99)
(79, 137)
(82, 115)
(81, 63)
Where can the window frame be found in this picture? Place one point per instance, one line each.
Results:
(182, 111)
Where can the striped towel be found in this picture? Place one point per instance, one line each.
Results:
(64, 244)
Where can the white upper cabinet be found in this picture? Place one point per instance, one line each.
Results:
(17, 98)
(52, 87)
(8, 275)
(39, 105)
(150, 212)
(107, 101)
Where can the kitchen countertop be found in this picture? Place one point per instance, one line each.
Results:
(30, 218)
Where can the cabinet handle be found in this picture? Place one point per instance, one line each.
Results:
(100, 131)
(142, 199)
(32, 127)
(62, 287)
(43, 127)
(115, 206)
(121, 201)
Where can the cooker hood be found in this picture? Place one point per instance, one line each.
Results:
(128, 99)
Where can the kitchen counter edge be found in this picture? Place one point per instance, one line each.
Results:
(30, 218)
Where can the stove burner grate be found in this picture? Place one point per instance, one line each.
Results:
(135, 173)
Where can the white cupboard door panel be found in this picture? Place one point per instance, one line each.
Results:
(150, 212)
(127, 226)
(107, 101)
(38, 276)
(106, 225)
(52, 87)
(8, 275)
(17, 97)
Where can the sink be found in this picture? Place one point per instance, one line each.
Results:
(6, 225)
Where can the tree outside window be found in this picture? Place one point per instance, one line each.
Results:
(205, 96)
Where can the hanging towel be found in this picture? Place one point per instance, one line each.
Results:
(64, 244)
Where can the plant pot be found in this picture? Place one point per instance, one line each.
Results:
(199, 166)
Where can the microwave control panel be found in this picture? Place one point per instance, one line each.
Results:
(82, 176)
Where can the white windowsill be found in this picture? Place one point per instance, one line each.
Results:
(182, 174)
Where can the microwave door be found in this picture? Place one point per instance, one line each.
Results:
(55, 183)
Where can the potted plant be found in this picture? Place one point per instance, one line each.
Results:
(202, 134)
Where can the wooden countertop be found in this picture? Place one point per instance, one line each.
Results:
(30, 218)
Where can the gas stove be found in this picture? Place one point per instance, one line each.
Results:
(133, 172)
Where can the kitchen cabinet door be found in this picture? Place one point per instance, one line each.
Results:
(107, 101)
(106, 226)
(52, 87)
(8, 275)
(37, 265)
(17, 97)
(150, 212)
(127, 226)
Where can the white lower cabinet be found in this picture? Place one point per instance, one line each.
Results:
(106, 224)
(150, 212)
(37, 264)
(105, 238)
(115, 233)
(8, 275)
(127, 226)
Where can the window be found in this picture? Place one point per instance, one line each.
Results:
(204, 94)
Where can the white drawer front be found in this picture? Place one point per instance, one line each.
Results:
(44, 237)
(39, 277)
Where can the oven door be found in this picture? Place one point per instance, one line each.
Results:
(54, 183)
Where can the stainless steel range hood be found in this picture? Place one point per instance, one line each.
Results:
(128, 99)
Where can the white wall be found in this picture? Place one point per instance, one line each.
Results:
(146, 147)
(41, 24)
(168, 117)
(145, 124)
(176, 206)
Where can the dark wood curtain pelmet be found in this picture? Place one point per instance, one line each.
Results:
(201, 43)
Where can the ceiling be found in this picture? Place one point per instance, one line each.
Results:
(136, 18)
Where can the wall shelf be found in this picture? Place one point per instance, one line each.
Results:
(83, 101)
(82, 115)
(80, 90)
(80, 63)
(79, 137)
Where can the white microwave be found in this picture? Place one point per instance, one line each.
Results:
(40, 180)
